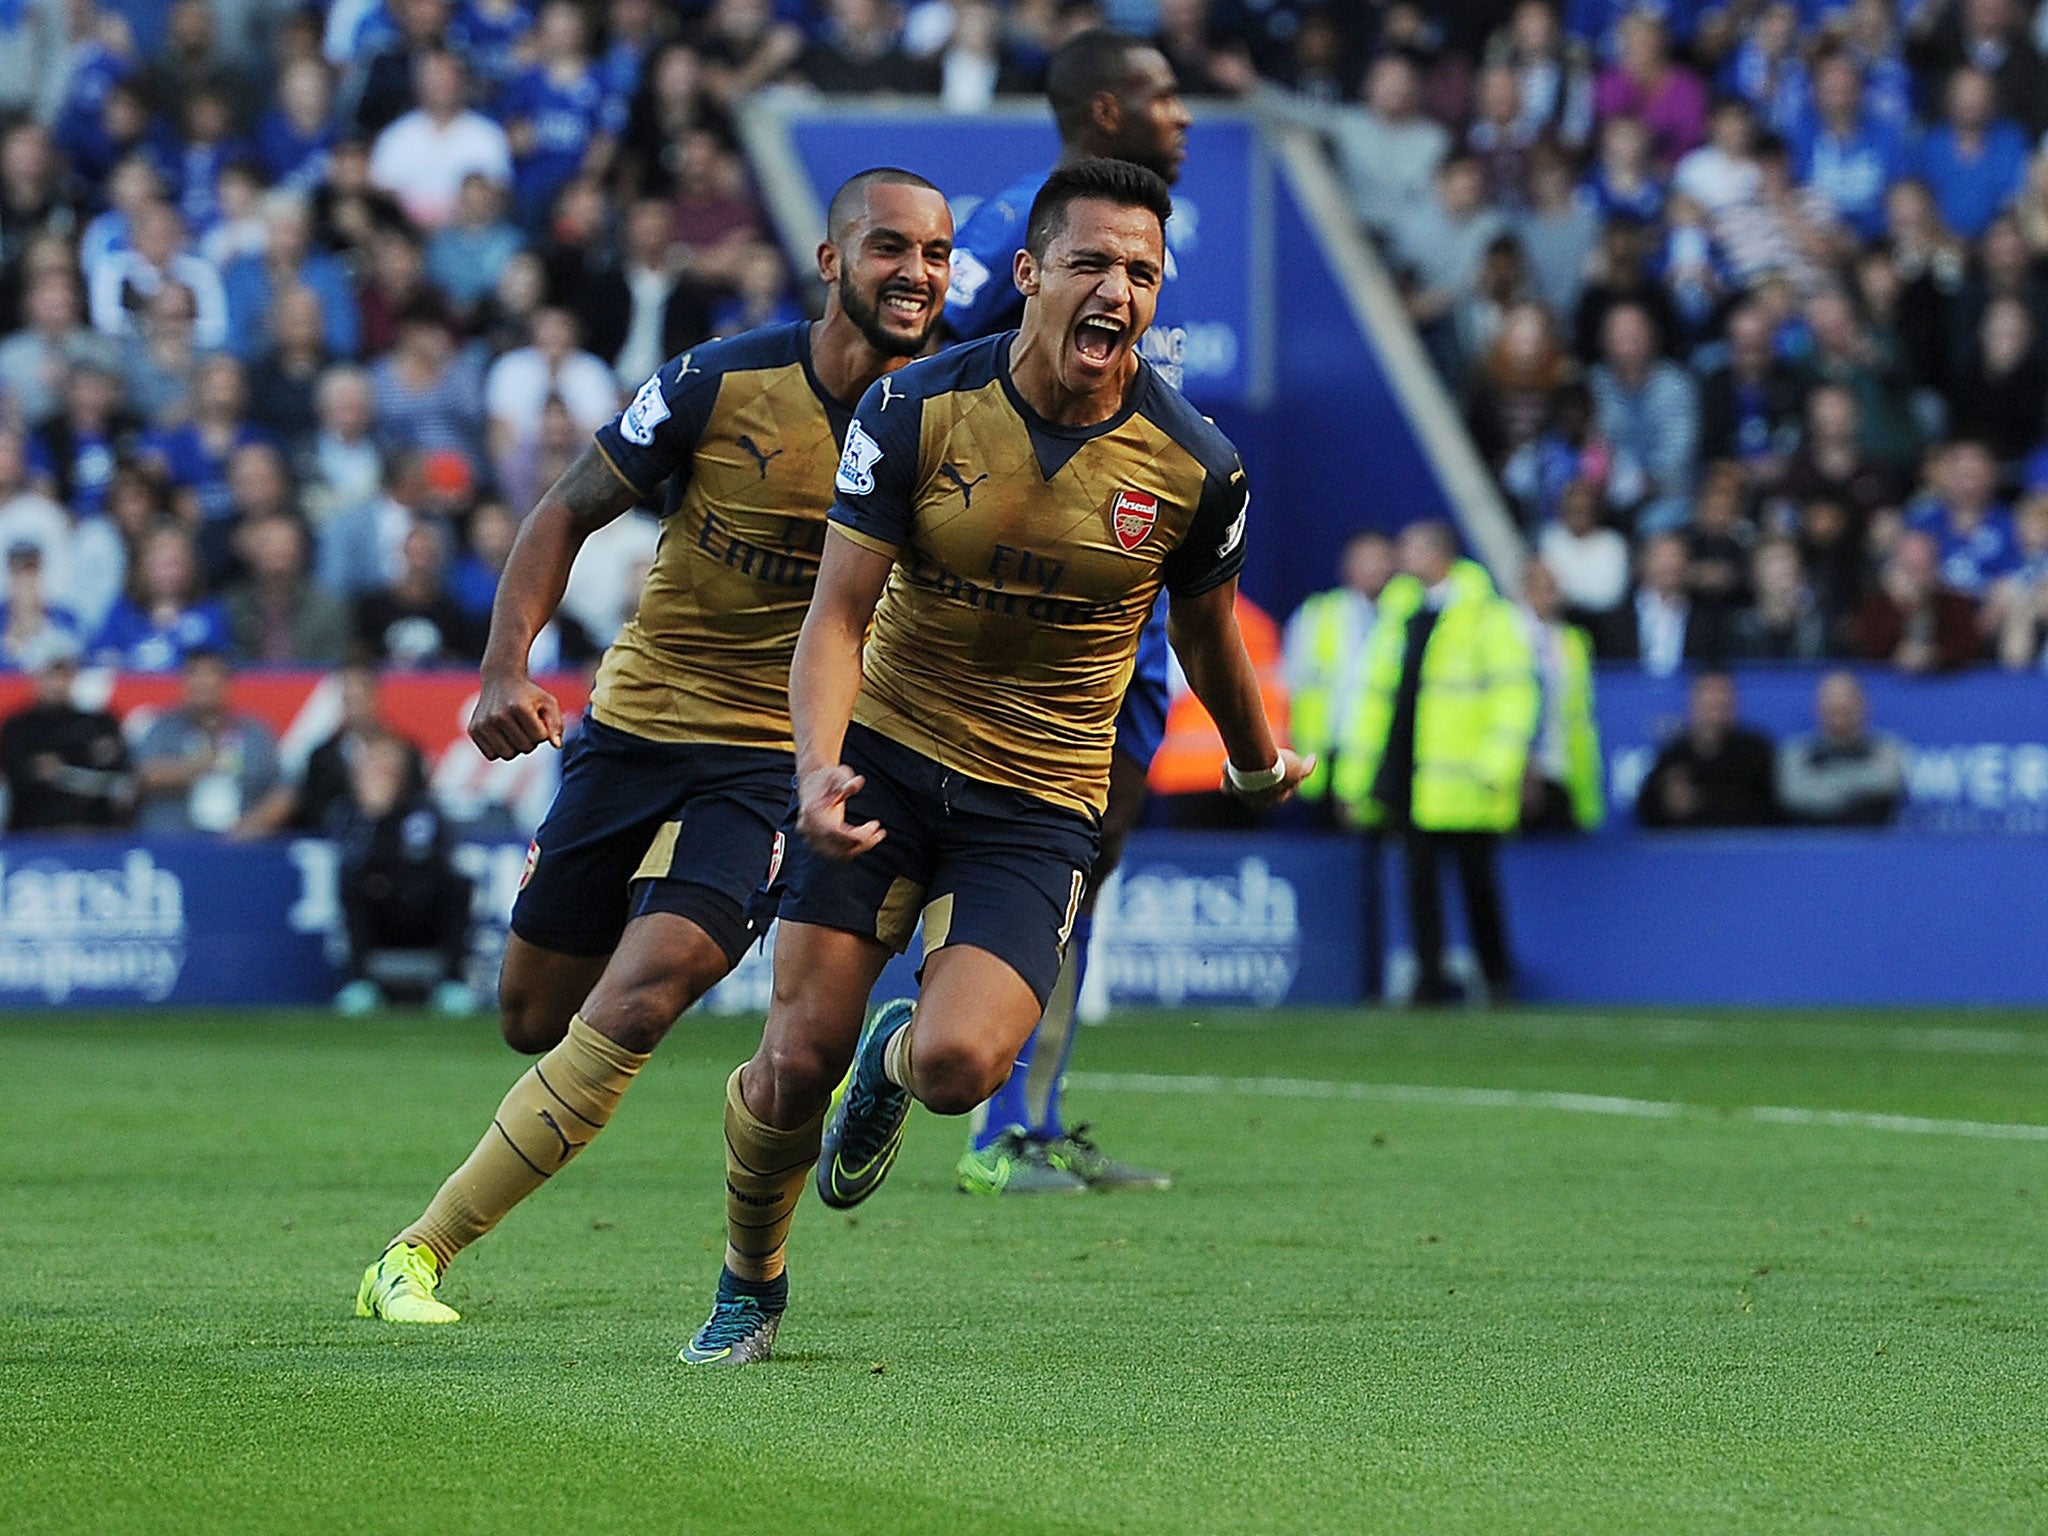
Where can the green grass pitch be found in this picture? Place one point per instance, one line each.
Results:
(1659, 1273)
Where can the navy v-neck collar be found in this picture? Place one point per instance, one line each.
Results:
(1052, 443)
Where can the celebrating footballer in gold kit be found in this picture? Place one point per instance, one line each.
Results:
(635, 898)
(1007, 513)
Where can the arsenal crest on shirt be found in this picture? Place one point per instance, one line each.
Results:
(1131, 517)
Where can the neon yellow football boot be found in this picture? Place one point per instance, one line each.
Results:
(399, 1287)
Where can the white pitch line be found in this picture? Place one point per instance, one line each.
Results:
(1565, 1103)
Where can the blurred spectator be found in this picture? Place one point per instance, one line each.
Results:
(641, 311)
(1845, 152)
(190, 61)
(428, 391)
(717, 219)
(155, 259)
(284, 382)
(277, 617)
(1501, 139)
(746, 46)
(1991, 36)
(1563, 787)
(397, 882)
(384, 85)
(194, 454)
(535, 463)
(1323, 655)
(36, 360)
(343, 467)
(858, 51)
(1443, 242)
(1767, 70)
(1912, 618)
(1843, 775)
(157, 367)
(254, 283)
(1588, 561)
(1657, 630)
(1717, 545)
(1648, 410)
(2000, 395)
(200, 767)
(1516, 383)
(66, 768)
(1553, 74)
(413, 623)
(1717, 773)
(1842, 351)
(324, 786)
(674, 100)
(295, 135)
(551, 367)
(467, 253)
(491, 36)
(424, 156)
(2020, 600)
(1831, 463)
(1974, 159)
(1783, 623)
(166, 615)
(1750, 406)
(556, 113)
(1624, 182)
(394, 284)
(32, 627)
(761, 294)
(27, 516)
(1645, 83)
(1387, 150)
(1973, 532)
(1559, 230)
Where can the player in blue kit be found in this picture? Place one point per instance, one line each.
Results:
(1114, 97)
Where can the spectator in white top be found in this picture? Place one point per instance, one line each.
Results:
(27, 516)
(344, 467)
(125, 282)
(422, 158)
(1844, 774)
(1588, 560)
(520, 384)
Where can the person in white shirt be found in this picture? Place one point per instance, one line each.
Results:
(1662, 636)
(519, 385)
(1323, 654)
(1589, 559)
(125, 281)
(422, 158)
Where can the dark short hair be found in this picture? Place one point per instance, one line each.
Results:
(851, 198)
(1120, 182)
(1084, 66)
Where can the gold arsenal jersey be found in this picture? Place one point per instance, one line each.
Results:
(745, 439)
(1028, 556)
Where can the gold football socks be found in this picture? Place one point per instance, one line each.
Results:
(550, 1115)
(765, 1173)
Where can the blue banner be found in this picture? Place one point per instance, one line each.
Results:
(1976, 746)
(969, 159)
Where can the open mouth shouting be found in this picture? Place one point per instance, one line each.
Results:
(1098, 340)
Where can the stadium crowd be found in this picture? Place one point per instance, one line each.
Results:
(301, 306)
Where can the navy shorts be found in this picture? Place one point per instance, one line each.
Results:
(1141, 722)
(644, 826)
(982, 865)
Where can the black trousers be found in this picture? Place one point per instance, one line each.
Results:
(1477, 857)
(407, 913)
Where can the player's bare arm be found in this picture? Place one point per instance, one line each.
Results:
(1204, 634)
(514, 714)
(824, 679)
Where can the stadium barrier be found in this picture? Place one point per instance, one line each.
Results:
(1192, 920)
(1944, 908)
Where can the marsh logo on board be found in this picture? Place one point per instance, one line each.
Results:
(1163, 935)
(115, 932)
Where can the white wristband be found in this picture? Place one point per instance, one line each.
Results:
(1253, 783)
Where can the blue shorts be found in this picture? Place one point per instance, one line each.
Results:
(1141, 723)
(644, 826)
(981, 865)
